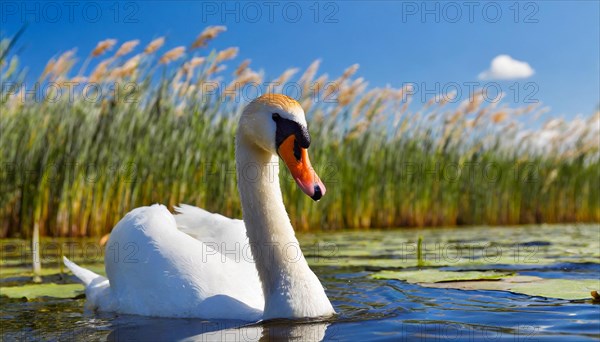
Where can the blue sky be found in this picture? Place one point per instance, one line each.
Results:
(432, 44)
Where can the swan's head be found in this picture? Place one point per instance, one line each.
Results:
(276, 124)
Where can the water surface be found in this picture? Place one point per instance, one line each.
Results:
(368, 308)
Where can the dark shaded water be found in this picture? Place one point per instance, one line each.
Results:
(368, 309)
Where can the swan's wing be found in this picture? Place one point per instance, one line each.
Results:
(215, 230)
(155, 269)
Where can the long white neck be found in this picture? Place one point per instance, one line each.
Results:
(290, 288)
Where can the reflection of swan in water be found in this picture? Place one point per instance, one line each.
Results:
(166, 329)
(297, 332)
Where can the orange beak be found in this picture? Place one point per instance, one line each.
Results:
(296, 159)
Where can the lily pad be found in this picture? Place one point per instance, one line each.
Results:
(558, 288)
(42, 290)
(436, 276)
(569, 289)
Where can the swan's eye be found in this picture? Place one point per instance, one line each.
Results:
(276, 116)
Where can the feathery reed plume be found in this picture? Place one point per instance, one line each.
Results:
(525, 110)
(103, 46)
(349, 72)
(128, 68)
(127, 47)
(473, 104)
(172, 55)
(251, 77)
(315, 90)
(498, 117)
(284, 77)
(430, 102)
(215, 68)
(191, 89)
(196, 61)
(357, 110)
(208, 34)
(480, 114)
(154, 45)
(227, 54)
(189, 66)
(330, 90)
(540, 112)
(553, 124)
(247, 77)
(447, 97)
(405, 93)
(177, 87)
(242, 68)
(348, 93)
(49, 67)
(357, 130)
(309, 75)
(99, 72)
(78, 79)
(319, 83)
(61, 66)
(336, 86)
(177, 77)
(376, 106)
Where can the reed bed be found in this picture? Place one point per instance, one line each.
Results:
(145, 124)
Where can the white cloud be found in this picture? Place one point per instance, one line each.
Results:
(504, 67)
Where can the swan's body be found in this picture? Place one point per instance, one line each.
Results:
(198, 264)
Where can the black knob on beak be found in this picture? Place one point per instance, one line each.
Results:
(318, 193)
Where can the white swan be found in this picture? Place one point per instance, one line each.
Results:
(198, 264)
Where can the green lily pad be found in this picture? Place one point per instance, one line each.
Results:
(558, 288)
(436, 276)
(569, 289)
(42, 290)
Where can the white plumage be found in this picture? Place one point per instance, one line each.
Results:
(155, 269)
(200, 264)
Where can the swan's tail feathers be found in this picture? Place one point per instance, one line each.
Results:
(85, 276)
